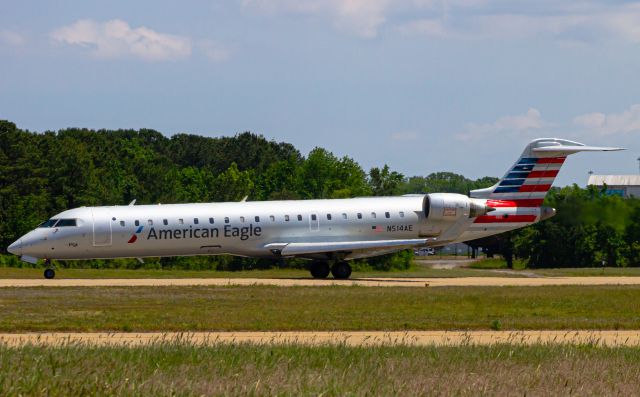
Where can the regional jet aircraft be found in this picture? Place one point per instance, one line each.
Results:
(329, 233)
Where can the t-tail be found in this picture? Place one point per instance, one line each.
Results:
(518, 196)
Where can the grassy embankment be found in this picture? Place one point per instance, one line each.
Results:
(265, 308)
(177, 369)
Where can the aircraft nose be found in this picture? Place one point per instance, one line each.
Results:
(16, 247)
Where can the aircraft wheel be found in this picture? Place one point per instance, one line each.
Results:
(341, 270)
(49, 273)
(319, 269)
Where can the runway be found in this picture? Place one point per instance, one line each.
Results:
(357, 338)
(363, 282)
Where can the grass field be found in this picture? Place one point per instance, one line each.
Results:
(418, 271)
(422, 268)
(241, 369)
(265, 308)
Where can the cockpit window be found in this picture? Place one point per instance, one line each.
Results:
(58, 223)
(48, 223)
(66, 222)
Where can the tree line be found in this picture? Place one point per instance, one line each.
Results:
(42, 174)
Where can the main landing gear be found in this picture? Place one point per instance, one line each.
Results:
(340, 270)
(49, 272)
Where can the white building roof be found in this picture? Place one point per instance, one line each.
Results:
(614, 180)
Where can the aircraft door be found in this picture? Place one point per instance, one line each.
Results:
(314, 223)
(101, 227)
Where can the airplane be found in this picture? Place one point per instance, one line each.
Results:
(329, 232)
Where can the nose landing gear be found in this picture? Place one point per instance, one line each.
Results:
(49, 272)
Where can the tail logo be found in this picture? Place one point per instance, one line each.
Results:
(134, 236)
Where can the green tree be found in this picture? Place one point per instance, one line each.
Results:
(384, 182)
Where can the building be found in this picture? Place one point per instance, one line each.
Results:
(621, 185)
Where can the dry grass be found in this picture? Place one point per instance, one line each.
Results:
(241, 369)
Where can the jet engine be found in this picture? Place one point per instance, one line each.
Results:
(449, 207)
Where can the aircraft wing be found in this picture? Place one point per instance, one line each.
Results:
(302, 248)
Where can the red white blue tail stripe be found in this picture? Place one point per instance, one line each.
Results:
(517, 198)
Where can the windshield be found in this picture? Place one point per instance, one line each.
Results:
(48, 223)
(58, 223)
(66, 222)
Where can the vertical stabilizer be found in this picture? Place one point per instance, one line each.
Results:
(528, 180)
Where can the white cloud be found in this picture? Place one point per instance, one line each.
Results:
(405, 136)
(612, 123)
(360, 17)
(562, 21)
(115, 39)
(569, 21)
(11, 38)
(518, 124)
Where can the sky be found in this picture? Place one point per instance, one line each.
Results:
(420, 85)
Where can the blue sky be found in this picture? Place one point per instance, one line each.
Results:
(421, 85)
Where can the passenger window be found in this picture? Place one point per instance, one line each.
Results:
(373, 215)
(68, 222)
(359, 215)
(314, 217)
(257, 218)
(150, 222)
(181, 221)
(272, 218)
(328, 217)
(401, 214)
(211, 221)
(195, 221)
(137, 222)
(387, 215)
(122, 223)
(242, 219)
(344, 216)
(226, 219)
(300, 217)
(286, 218)
(165, 222)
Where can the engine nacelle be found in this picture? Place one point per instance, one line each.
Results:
(449, 207)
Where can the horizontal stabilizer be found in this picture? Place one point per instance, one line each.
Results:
(574, 149)
(292, 249)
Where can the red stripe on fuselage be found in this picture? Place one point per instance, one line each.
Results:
(515, 203)
(534, 188)
(505, 219)
(551, 160)
(543, 174)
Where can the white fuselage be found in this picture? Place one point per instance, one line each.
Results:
(248, 228)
